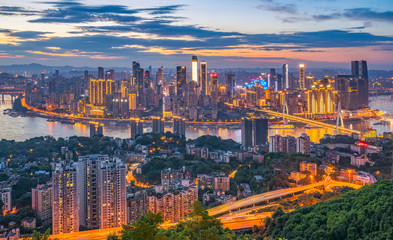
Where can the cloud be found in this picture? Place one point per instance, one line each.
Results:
(362, 14)
(271, 6)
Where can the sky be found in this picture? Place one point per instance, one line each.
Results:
(225, 33)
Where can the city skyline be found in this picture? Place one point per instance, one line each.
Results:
(264, 33)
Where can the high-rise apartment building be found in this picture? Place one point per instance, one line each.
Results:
(112, 188)
(158, 125)
(181, 77)
(136, 127)
(99, 89)
(359, 69)
(320, 99)
(41, 202)
(96, 129)
(302, 77)
(203, 79)
(5, 197)
(303, 144)
(101, 191)
(279, 143)
(179, 126)
(194, 69)
(160, 76)
(65, 207)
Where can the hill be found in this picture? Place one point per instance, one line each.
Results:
(363, 214)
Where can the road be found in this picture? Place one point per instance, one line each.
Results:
(224, 208)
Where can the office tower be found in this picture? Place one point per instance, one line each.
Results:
(160, 76)
(347, 87)
(135, 67)
(65, 210)
(100, 73)
(112, 188)
(230, 87)
(139, 82)
(110, 74)
(194, 69)
(179, 126)
(5, 197)
(181, 77)
(136, 127)
(86, 78)
(279, 85)
(260, 131)
(158, 125)
(214, 88)
(41, 202)
(203, 79)
(302, 77)
(246, 132)
(303, 144)
(96, 130)
(359, 69)
(285, 76)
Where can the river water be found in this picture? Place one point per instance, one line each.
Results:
(21, 128)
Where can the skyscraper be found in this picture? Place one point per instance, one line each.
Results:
(194, 69)
(246, 132)
(160, 76)
(203, 79)
(214, 88)
(96, 129)
(230, 81)
(99, 89)
(158, 125)
(179, 126)
(112, 188)
(302, 77)
(136, 127)
(359, 69)
(285, 76)
(347, 87)
(260, 131)
(102, 191)
(65, 211)
(100, 73)
(181, 77)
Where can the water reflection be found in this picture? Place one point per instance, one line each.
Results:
(21, 128)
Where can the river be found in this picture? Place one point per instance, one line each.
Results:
(21, 128)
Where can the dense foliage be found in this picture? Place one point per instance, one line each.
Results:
(363, 214)
(199, 226)
(215, 143)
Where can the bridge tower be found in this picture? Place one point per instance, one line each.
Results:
(339, 118)
(285, 110)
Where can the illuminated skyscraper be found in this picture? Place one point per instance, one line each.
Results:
(203, 78)
(99, 88)
(285, 76)
(194, 69)
(110, 74)
(132, 101)
(179, 126)
(112, 188)
(246, 132)
(160, 76)
(136, 127)
(230, 81)
(181, 77)
(214, 88)
(65, 210)
(135, 67)
(320, 99)
(302, 77)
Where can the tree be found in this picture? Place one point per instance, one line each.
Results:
(146, 228)
(38, 236)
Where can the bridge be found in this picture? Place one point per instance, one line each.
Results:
(10, 91)
(250, 201)
(310, 121)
